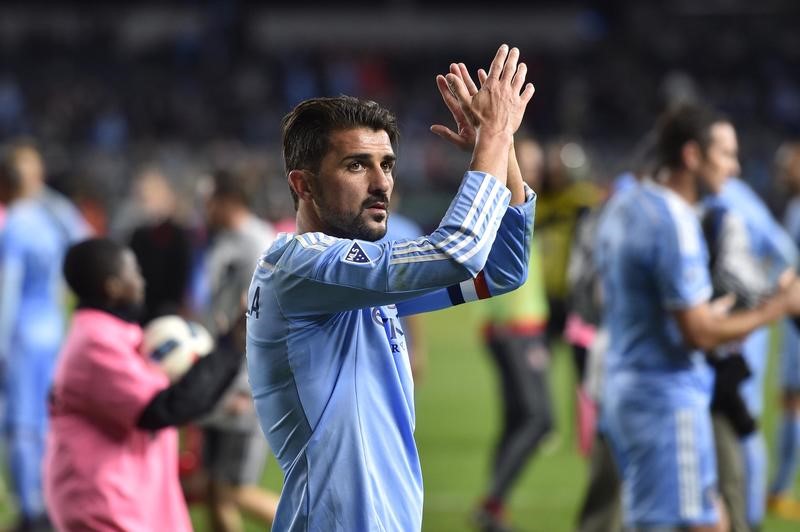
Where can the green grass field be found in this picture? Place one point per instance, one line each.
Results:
(457, 417)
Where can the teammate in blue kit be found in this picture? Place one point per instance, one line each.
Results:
(771, 247)
(39, 227)
(326, 354)
(654, 267)
(787, 461)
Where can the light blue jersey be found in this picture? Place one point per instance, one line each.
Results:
(790, 351)
(36, 234)
(653, 260)
(327, 357)
(769, 239)
(772, 246)
(400, 227)
(773, 249)
(32, 244)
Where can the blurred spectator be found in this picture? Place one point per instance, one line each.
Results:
(514, 334)
(162, 246)
(564, 196)
(40, 225)
(234, 448)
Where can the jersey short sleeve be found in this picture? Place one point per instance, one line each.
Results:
(681, 263)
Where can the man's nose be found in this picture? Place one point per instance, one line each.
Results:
(380, 181)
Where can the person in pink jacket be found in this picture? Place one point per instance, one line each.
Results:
(112, 457)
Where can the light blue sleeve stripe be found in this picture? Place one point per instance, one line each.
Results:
(481, 197)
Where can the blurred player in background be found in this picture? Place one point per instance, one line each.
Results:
(654, 266)
(755, 252)
(234, 449)
(781, 501)
(112, 461)
(40, 225)
(735, 223)
(514, 332)
(326, 352)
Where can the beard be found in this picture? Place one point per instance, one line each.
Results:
(352, 225)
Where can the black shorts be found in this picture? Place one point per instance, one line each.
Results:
(236, 458)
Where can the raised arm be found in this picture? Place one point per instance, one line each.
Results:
(515, 183)
(325, 274)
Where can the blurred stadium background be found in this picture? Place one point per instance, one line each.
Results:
(193, 83)
(107, 88)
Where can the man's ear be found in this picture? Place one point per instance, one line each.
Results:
(300, 182)
(691, 155)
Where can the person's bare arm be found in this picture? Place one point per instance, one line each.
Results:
(703, 328)
(514, 182)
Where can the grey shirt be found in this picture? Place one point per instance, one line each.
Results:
(230, 264)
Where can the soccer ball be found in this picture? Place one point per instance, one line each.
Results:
(175, 344)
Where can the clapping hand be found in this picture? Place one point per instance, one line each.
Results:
(464, 136)
(498, 104)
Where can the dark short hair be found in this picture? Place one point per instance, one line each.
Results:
(10, 176)
(230, 186)
(306, 130)
(676, 127)
(89, 264)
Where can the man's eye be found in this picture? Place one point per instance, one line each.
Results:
(355, 166)
(387, 166)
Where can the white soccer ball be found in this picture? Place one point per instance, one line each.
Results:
(175, 344)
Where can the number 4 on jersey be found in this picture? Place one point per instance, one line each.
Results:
(254, 306)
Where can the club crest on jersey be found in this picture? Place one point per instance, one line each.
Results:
(356, 255)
